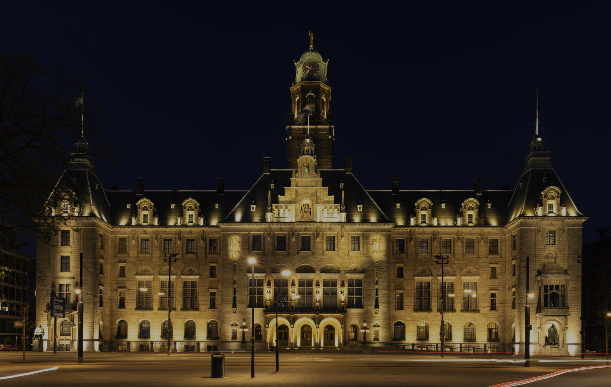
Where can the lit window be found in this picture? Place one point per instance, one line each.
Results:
(145, 330)
(550, 237)
(554, 296)
(422, 331)
(423, 218)
(65, 328)
(255, 293)
(355, 243)
(330, 243)
(145, 218)
(190, 219)
(469, 334)
(306, 293)
(144, 299)
(469, 299)
(550, 208)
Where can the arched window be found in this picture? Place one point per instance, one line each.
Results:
(258, 332)
(190, 329)
(145, 330)
(469, 334)
(213, 330)
(422, 332)
(354, 333)
(306, 335)
(493, 332)
(164, 330)
(399, 331)
(447, 330)
(122, 329)
(65, 328)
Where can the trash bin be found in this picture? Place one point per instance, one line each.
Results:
(218, 365)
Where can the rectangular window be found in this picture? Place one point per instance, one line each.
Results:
(446, 246)
(190, 218)
(256, 243)
(423, 217)
(305, 243)
(145, 218)
(514, 242)
(164, 298)
(101, 303)
(65, 291)
(470, 218)
(281, 289)
(65, 264)
(122, 271)
(469, 299)
(493, 272)
(355, 243)
(329, 293)
(513, 298)
(376, 335)
(167, 246)
(189, 295)
(469, 246)
(101, 268)
(423, 296)
(446, 293)
(355, 293)
(399, 271)
(65, 237)
(493, 246)
(492, 301)
(234, 333)
(101, 241)
(145, 295)
(400, 246)
(550, 208)
(190, 245)
(306, 293)
(281, 243)
(122, 247)
(550, 237)
(213, 271)
(255, 293)
(513, 271)
(213, 246)
(330, 243)
(212, 300)
(121, 299)
(399, 302)
(423, 246)
(554, 296)
(145, 246)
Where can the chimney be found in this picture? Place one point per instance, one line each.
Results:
(395, 186)
(266, 164)
(348, 164)
(220, 186)
(139, 186)
(478, 185)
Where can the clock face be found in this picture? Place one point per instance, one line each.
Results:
(310, 68)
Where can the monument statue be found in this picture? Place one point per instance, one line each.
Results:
(552, 336)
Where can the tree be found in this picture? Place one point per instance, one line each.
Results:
(39, 124)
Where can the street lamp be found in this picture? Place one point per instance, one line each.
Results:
(607, 337)
(170, 258)
(285, 273)
(442, 261)
(253, 298)
(364, 330)
(527, 327)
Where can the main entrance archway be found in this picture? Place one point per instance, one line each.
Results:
(283, 336)
(306, 335)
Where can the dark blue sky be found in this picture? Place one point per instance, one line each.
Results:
(435, 95)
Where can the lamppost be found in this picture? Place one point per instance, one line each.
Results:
(170, 258)
(253, 299)
(79, 292)
(285, 273)
(607, 337)
(527, 317)
(442, 261)
(244, 329)
(364, 330)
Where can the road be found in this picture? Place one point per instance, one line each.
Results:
(296, 369)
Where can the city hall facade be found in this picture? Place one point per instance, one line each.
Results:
(363, 263)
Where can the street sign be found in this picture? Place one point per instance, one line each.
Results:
(58, 307)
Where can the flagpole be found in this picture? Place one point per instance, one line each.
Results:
(537, 115)
(82, 114)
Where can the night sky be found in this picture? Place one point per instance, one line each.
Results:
(434, 95)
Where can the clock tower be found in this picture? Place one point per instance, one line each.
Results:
(310, 110)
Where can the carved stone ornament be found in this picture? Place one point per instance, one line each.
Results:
(306, 211)
(376, 244)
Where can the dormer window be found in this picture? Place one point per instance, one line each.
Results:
(65, 208)
(423, 217)
(190, 212)
(145, 218)
(469, 212)
(551, 200)
(253, 207)
(144, 212)
(550, 208)
(359, 207)
(190, 218)
(423, 211)
(470, 218)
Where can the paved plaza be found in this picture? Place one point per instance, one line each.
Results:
(296, 369)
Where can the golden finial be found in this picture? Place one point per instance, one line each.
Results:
(311, 39)
(305, 151)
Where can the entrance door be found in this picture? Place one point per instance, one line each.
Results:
(306, 335)
(329, 336)
(283, 336)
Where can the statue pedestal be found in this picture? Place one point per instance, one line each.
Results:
(37, 345)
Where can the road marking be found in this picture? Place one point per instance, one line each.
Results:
(547, 376)
(28, 373)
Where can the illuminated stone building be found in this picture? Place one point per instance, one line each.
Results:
(362, 262)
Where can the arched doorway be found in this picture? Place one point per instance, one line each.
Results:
(306, 335)
(283, 336)
(329, 336)
(258, 333)
(354, 333)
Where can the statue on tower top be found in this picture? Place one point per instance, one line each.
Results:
(311, 39)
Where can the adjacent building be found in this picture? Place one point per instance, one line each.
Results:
(362, 263)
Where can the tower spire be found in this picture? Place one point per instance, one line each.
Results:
(311, 40)
(537, 115)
